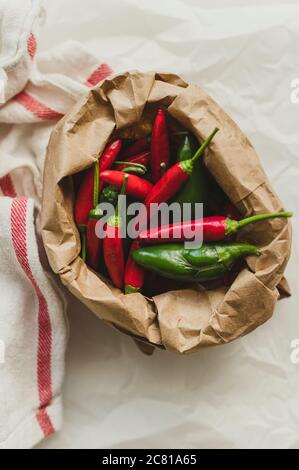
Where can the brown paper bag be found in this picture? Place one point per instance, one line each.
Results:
(183, 320)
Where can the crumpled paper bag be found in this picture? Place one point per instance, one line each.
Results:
(182, 320)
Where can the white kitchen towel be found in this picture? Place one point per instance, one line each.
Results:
(19, 21)
(32, 333)
(35, 91)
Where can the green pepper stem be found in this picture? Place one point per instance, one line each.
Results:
(137, 165)
(131, 169)
(96, 213)
(122, 193)
(131, 290)
(256, 218)
(96, 184)
(205, 144)
(124, 186)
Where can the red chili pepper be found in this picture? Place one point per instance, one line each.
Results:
(136, 187)
(141, 145)
(82, 230)
(134, 274)
(109, 154)
(173, 179)
(159, 145)
(94, 243)
(84, 199)
(168, 184)
(214, 228)
(140, 158)
(113, 245)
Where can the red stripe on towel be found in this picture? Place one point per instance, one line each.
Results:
(31, 45)
(7, 187)
(36, 107)
(98, 74)
(44, 376)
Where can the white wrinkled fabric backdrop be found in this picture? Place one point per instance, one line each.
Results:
(244, 394)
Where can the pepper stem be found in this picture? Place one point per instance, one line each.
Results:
(233, 226)
(124, 186)
(255, 218)
(95, 214)
(96, 184)
(204, 145)
(131, 290)
(133, 169)
(122, 193)
(137, 165)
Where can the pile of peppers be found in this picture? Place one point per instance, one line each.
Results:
(162, 167)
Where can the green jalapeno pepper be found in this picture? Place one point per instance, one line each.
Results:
(194, 264)
(196, 188)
